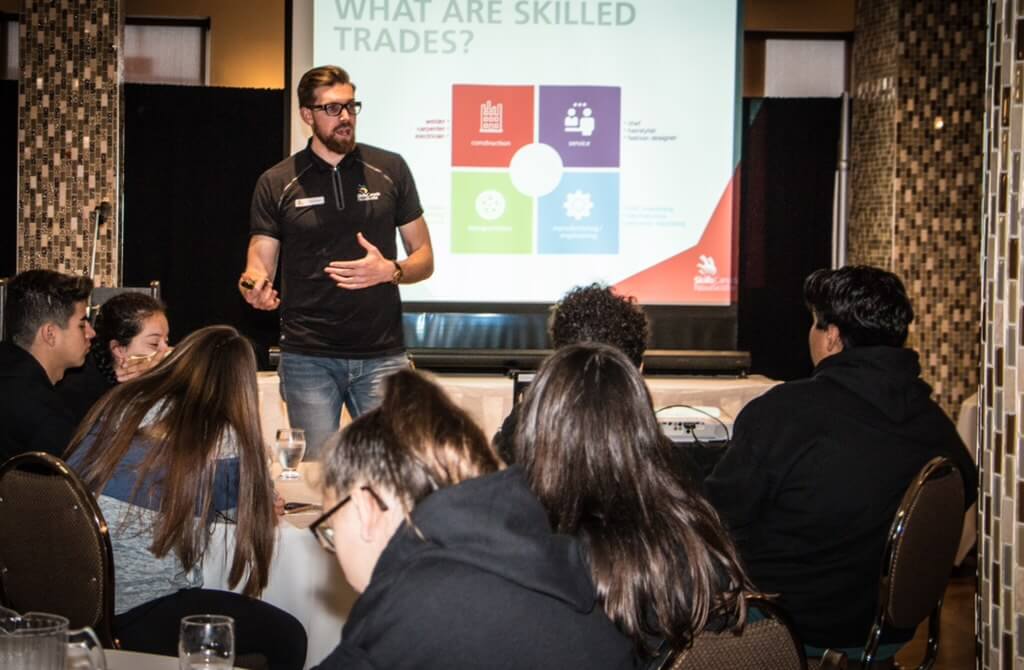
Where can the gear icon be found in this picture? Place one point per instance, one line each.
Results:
(578, 205)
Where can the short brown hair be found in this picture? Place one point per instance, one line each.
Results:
(325, 75)
(415, 442)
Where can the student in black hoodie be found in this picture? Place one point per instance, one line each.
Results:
(454, 558)
(817, 467)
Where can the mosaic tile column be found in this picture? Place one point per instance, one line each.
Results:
(915, 172)
(873, 134)
(1000, 622)
(69, 115)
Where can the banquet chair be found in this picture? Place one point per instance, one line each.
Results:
(101, 294)
(918, 557)
(768, 642)
(56, 555)
(3, 306)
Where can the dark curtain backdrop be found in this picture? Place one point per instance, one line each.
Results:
(790, 148)
(9, 179)
(191, 158)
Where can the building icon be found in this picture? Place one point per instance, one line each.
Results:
(490, 117)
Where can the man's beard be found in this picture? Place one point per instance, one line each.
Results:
(335, 143)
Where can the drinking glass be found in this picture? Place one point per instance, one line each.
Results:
(290, 448)
(206, 642)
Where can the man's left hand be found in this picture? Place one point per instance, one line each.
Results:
(370, 270)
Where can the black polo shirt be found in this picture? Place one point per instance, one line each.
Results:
(315, 210)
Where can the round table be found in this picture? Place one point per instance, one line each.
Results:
(134, 660)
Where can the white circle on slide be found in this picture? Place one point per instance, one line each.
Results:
(536, 169)
(490, 205)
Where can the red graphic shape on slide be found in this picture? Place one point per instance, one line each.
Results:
(472, 148)
(679, 280)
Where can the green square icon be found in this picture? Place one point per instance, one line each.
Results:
(489, 216)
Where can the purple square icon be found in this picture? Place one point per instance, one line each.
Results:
(582, 124)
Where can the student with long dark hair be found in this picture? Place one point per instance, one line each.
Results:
(595, 456)
(131, 337)
(454, 558)
(167, 453)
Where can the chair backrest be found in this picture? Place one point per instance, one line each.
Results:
(55, 555)
(101, 294)
(922, 545)
(3, 307)
(768, 642)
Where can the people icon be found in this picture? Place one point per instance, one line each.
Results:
(587, 122)
(581, 121)
(572, 122)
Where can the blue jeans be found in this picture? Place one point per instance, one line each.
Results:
(315, 388)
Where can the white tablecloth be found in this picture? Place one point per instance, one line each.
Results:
(133, 660)
(967, 426)
(305, 580)
(488, 398)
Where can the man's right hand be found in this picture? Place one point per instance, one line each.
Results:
(258, 292)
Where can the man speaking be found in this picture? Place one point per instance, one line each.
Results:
(330, 213)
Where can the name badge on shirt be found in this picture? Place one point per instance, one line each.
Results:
(309, 202)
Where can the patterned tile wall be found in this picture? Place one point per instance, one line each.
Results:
(936, 234)
(916, 175)
(69, 112)
(873, 134)
(1000, 622)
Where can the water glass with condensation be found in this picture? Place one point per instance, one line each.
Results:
(206, 642)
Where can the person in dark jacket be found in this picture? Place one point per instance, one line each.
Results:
(47, 333)
(131, 337)
(454, 558)
(817, 467)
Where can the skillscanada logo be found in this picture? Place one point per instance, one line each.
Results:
(363, 194)
(707, 278)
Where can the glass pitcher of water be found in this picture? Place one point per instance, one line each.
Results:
(38, 641)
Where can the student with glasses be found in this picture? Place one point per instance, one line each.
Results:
(329, 214)
(454, 558)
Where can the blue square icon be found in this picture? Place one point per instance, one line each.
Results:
(581, 216)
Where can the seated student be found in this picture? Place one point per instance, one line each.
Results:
(454, 558)
(594, 456)
(47, 333)
(131, 337)
(591, 313)
(817, 467)
(168, 452)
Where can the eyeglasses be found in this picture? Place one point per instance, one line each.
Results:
(324, 533)
(353, 107)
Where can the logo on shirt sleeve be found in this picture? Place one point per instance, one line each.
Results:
(363, 194)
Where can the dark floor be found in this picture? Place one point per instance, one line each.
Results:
(956, 640)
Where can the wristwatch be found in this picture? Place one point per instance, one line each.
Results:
(396, 278)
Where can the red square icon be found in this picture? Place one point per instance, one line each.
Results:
(490, 124)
